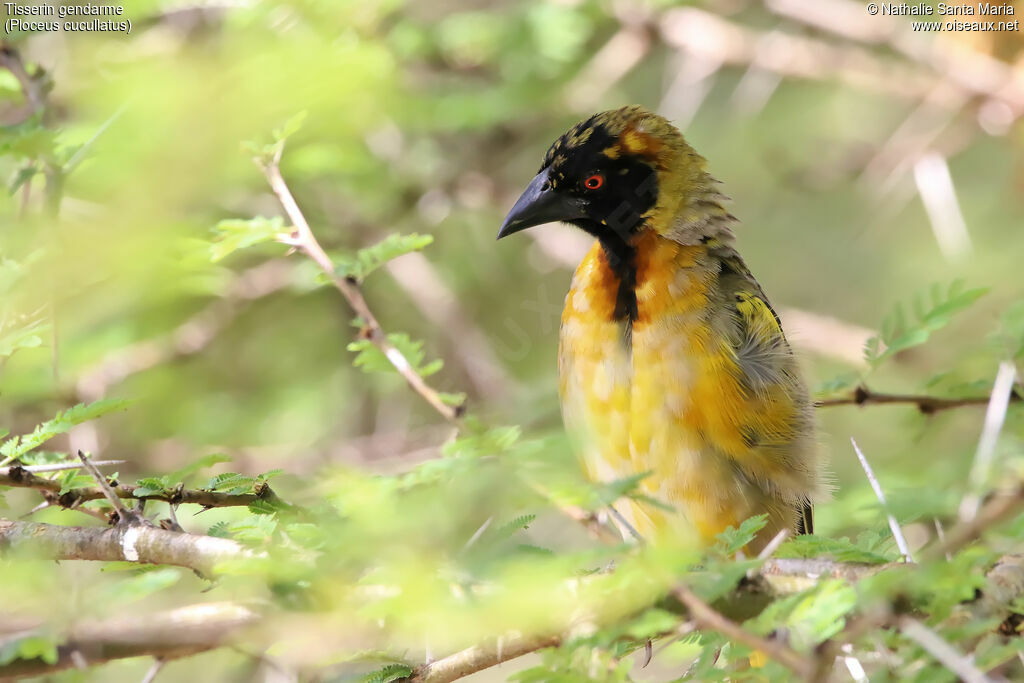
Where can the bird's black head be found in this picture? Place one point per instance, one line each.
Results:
(601, 176)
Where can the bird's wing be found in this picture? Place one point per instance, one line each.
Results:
(776, 423)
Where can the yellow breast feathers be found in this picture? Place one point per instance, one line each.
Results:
(698, 388)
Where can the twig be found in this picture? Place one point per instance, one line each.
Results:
(20, 478)
(137, 543)
(996, 510)
(995, 415)
(788, 54)
(303, 239)
(926, 404)
(969, 71)
(158, 664)
(124, 515)
(176, 633)
(58, 466)
(938, 194)
(897, 532)
(480, 657)
(589, 520)
(620, 519)
(773, 545)
(31, 86)
(421, 282)
(705, 615)
(940, 533)
(937, 647)
(610, 64)
(782, 577)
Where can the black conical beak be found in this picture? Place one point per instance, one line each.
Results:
(541, 204)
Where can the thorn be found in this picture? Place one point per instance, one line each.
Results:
(648, 654)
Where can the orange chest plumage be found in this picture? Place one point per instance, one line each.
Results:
(659, 392)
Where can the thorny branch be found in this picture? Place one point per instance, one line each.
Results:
(20, 477)
(785, 577)
(124, 515)
(33, 87)
(480, 657)
(136, 543)
(708, 617)
(203, 553)
(303, 239)
(176, 633)
(928, 405)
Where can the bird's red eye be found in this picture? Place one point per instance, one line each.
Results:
(594, 182)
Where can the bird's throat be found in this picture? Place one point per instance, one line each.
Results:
(620, 255)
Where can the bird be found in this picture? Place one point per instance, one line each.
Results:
(673, 366)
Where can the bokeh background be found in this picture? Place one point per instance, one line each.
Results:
(866, 162)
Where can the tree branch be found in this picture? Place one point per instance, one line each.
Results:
(708, 617)
(152, 545)
(124, 515)
(303, 239)
(32, 87)
(480, 657)
(928, 405)
(167, 635)
(144, 544)
(21, 478)
(938, 647)
(998, 509)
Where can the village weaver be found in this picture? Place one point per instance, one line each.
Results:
(671, 360)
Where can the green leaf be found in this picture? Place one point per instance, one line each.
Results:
(454, 400)
(152, 486)
(508, 530)
(839, 549)
(370, 359)
(233, 234)
(608, 493)
(812, 616)
(179, 476)
(733, 540)
(71, 480)
(487, 442)
(12, 272)
(1009, 335)
(28, 140)
(219, 530)
(254, 529)
(263, 507)
(153, 483)
(838, 384)
(146, 583)
(24, 175)
(30, 647)
(231, 482)
(290, 127)
(388, 673)
(652, 623)
(17, 446)
(23, 337)
(367, 260)
(267, 152)
(899, 333)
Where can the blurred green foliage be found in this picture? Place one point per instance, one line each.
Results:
(136, 235)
